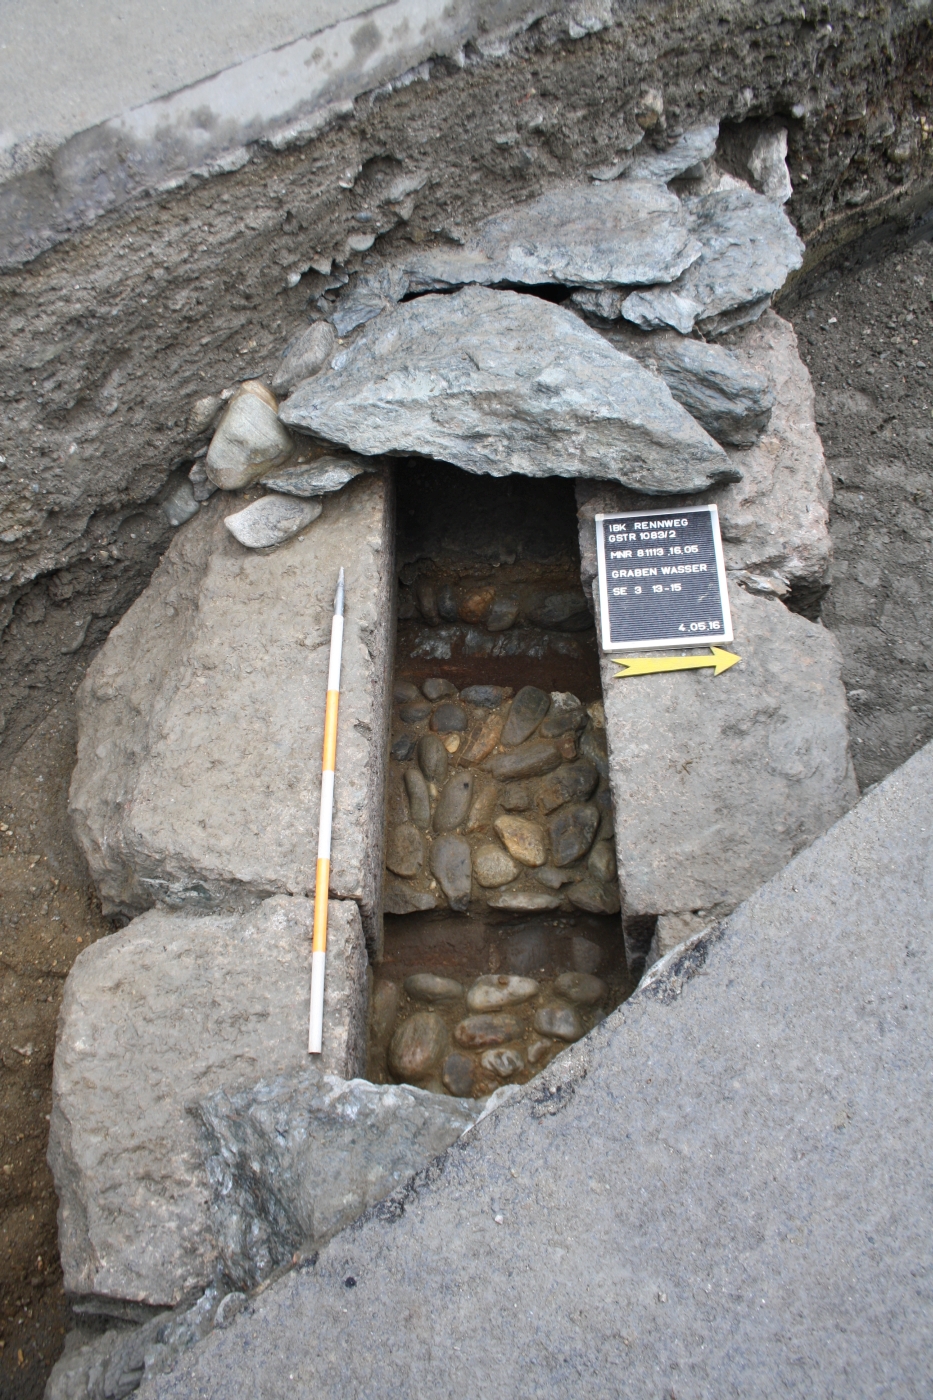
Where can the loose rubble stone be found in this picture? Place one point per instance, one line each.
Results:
(446, 603)
(449, 718)
(563, 719)
(504, 1063)
(452, 866)
(595, 898)
(399, 898)
(405, 850)
(629, 234)
(492, 867)
(250, 440)
(717, 787)
(203, 414)
(749, 247)
(418, 1046)
(486, 696)
(483, 739)
(304, 356)
(458, 1074)
(561, 1022)
(526, 387)
(316, 478)
(415, 711)
(175, 1006)
(528, 710)
(571, 832)
(202, 488)
(435, 688)
(522, 839)
(523, 901)
(419, 801)
(181, 503)
(383, 1007)
(539, 1051)
(502, 614)
(427, 601)
(516, 797)
(732, 401)
(433, 759)
(768, 166)
(689, 150)
(601, 861)
(453, 804)
(478, 1032)
(272, 520)
(484, 805)
(404, 691)
(426, 986)
(403, 748)
(573, 782)
(553, 879)
(492, 992)
(528, 951)
(775, 522)
(581, 988)
(671, 930)
(527, 761)
(561, 612)
(196, 782)
(586, 955)
(475, 606)
(299, 1157)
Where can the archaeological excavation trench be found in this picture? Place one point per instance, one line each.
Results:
(434, 372)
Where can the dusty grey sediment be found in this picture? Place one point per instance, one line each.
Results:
(722, 1190)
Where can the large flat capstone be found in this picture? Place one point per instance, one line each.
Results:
(201, 719)
(496, 382)
(718, 782)
(169, 1010)
(775, 521)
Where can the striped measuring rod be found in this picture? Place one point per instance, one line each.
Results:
(322, 876)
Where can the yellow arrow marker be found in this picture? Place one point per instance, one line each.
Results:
(720, 660)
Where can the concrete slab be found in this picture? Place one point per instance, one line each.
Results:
(723, 1191)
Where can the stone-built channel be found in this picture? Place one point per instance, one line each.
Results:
(503, 934)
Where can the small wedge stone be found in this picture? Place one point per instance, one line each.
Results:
(483, 739)
(419, 799)
(581, 988)
(559, 1021)
(405, 850)
(272, 520)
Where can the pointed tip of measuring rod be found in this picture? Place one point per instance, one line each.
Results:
(338, 600)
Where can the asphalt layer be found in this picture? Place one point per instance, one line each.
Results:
(723, 1191)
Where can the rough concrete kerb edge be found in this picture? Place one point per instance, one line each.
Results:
(280, 98)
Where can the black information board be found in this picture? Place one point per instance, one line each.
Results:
(662, 580)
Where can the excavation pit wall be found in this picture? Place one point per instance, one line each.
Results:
(503, 935)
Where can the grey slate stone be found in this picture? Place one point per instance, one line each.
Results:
(736, 1166)
(271, 520)
(294, 1159)
(496, 383)
(731, 401)
(154, 1017)
(718, 781)
(304, 356)
(749, 247)
(690, 149)
(317, 477)
(201, 718)
(632, 233)
(775, 522)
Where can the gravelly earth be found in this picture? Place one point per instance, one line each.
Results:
(866, 332)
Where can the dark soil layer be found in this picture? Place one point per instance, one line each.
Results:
(48, 913)
(866, 333)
